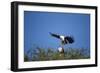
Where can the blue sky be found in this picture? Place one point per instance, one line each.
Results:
(37, 26)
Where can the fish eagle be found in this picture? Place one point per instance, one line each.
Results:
(64, 40)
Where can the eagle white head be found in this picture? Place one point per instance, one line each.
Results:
(60, 49)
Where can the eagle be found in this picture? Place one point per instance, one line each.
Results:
(64, 39)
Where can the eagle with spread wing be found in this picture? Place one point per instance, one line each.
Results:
(64, 39)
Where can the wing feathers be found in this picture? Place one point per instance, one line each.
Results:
(65, 40)
(55, 35)
(69, 39)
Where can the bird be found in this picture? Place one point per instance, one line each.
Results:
(64, 39)
(61, 52)
(60, 49)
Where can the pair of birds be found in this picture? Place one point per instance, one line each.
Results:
(64, 40)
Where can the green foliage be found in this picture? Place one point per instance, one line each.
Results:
(41, 54)
(26, 58)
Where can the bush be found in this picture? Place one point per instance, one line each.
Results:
(42, 54)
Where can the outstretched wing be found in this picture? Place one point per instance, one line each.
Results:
(55, 35)
(69, 39)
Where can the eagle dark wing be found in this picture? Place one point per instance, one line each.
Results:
(55, 35)
(69, 39)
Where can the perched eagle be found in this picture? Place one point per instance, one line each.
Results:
(61, 50)
(64, 39)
